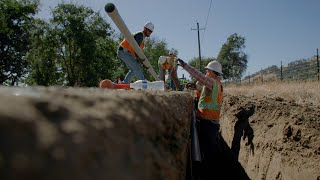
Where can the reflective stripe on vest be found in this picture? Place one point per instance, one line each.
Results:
(209, 105)
(125, 44)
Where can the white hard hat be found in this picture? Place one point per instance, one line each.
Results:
(214, 66)
(172, 52)
(162, 59)
(149, 26)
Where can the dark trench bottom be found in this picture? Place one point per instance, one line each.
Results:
(226, 167)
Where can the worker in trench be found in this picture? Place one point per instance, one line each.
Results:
(208, 114)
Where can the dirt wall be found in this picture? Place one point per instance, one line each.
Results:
(88, 133)
(58, 133)
(273, 138)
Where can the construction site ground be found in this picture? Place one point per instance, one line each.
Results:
(89, 133)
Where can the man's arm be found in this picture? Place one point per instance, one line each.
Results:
(174, 64)
(204, 80)
(139, 38)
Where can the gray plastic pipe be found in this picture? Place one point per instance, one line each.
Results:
(195, 146)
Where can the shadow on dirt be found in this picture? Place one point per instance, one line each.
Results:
(242, 129)
(228, 166)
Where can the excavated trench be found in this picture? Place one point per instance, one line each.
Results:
(88, 133)
(273, 137)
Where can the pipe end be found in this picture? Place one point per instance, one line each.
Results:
(109, 7)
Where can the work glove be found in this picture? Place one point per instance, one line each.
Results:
(181, 62)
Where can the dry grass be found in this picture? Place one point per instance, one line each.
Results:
(300, 92)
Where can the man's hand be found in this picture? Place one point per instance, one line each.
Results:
(181, 62)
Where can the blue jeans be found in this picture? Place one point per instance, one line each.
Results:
(172, 86)
(132, 64)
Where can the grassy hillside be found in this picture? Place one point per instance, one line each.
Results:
(300, 92)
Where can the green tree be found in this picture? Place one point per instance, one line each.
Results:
(204, 61)
(86, 51)
(154, 48)
(195, 63)
(42, 58)
(233, 59)
(120, 68)
(16, 19)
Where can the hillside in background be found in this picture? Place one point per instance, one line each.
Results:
(303, 69)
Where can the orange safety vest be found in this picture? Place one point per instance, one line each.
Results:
(210, 104)
(125, 44)
(166, 65)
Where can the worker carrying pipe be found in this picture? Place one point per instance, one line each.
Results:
(129, 57)
(130, 49)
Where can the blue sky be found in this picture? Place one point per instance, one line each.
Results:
(275, 30)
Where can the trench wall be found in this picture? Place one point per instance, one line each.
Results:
(59, 133)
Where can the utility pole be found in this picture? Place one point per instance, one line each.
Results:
(318, 63)
(199, 44)
(261, 76)
(281, 77)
